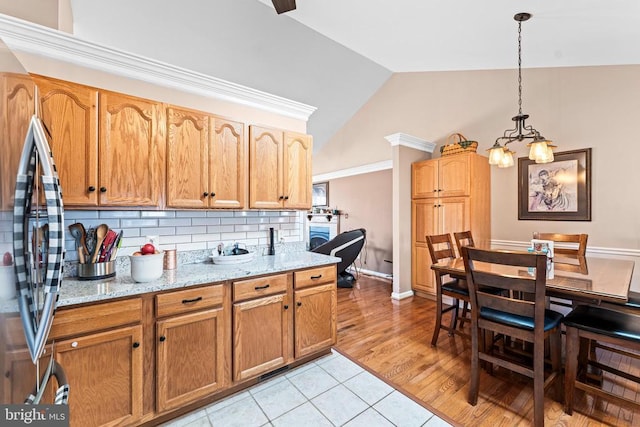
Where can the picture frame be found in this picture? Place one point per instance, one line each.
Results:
(557, 191)
(320, 195)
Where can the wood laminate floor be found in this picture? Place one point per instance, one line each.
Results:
(392, 339)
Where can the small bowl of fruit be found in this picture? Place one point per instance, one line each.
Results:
(146, 264)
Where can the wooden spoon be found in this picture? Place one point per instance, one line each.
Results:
(101, 232)
(79, 234)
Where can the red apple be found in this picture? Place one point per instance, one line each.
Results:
(148, 249)
(7, 259)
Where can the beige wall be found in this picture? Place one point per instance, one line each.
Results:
(366, 199)
(576, 107)
(50, 13)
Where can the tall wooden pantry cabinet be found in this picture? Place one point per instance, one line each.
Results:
(448, 194)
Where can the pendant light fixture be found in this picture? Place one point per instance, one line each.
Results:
(541, 150)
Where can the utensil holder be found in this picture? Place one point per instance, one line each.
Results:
(98, 270)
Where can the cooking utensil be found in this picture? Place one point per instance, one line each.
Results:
(101, 233)
(107, 245)
(116, 246)
(79, 234)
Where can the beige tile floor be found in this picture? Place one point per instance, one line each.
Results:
(330, 391)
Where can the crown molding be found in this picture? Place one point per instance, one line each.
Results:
(358, 170)
(410, 141)
(24, 36)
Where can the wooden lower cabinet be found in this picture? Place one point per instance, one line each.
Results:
(315, 318)
(190, 357)
(20, 377)
(104, 371)
(260, 336)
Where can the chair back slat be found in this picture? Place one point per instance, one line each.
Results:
(580, 241)
(440, 247)
(463, 238)
(519, 284)
(520, 307)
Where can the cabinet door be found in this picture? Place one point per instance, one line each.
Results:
(453, 214)
(227, 172)
(315, 319)
(69, 112)
(187, 159)
(425, 219)
(260, 336)
(16, 109)
(297, 170)
(104, 372)
(190, 357)
(424, 179)
(20, 377)
(265, 168)
(421, 274)
(132, 147)
(453, 176)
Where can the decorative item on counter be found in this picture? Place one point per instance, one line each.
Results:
(146, 264)
(96, 251)
(170, 259)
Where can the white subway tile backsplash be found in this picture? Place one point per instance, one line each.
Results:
(190, 214)
(233, 220)
(191, 230)
(220, 228)
(191, 246)
(118, 214)
(218, 214)
(280, 219)
(174, 222)
(246, 213)
(80, 215)
(130, 223)
(232, 236)
(159, 231)
(209, 237)
(157, 214)
(251, 227)
(260, 220)
(205, 221)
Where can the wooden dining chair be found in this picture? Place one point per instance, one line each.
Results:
(463, 238)
(440, 248)
(578, 241)
(617, 331)
(526, 319)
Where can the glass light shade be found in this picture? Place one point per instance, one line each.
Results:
(538, 151)
(507, 159)
(496, 155)
(547, 155)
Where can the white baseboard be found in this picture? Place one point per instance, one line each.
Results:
(369, 272)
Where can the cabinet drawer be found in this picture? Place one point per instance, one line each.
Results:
(189, 300)
(254, 288)
(314, 276)
(91, 318)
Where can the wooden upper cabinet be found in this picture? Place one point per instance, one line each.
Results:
(280, 169)
(16, 109)
(265, 168)
(187, 159)
(227, 164)
(442, 177)
(424, 177)
(132, 148)
(69, 111)
(297, 170)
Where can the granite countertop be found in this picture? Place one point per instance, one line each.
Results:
(74, 291)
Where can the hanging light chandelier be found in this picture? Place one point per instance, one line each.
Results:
(541, 150)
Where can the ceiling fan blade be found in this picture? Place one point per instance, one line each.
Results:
(283, 6)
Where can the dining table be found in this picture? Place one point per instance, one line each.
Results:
(586, 279)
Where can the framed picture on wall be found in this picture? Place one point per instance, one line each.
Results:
(557, 191)
(320, 195)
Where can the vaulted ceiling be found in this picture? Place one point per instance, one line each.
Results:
(335, 54)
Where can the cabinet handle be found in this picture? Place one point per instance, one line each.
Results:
(91, 189)
(299, 304)
(7, 374)
(103, 189)
(205, 194)
(136, 344)
(213, 195)
(162, 338)
(187, 301)
(316, 277)
(257, 288)
(286, 307)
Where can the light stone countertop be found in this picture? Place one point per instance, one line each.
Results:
(74, 291)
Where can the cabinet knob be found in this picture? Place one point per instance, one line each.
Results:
(435, 191)
(7, 374)
(435, 206)
(162, 338)
(286, 197)
(213, 195)
(286, 307)
(205, 194)
(74, 344)
(299, 304)
(281, 197)
(103, 189)
(439, 189)
(91, 189)
(136, 344)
